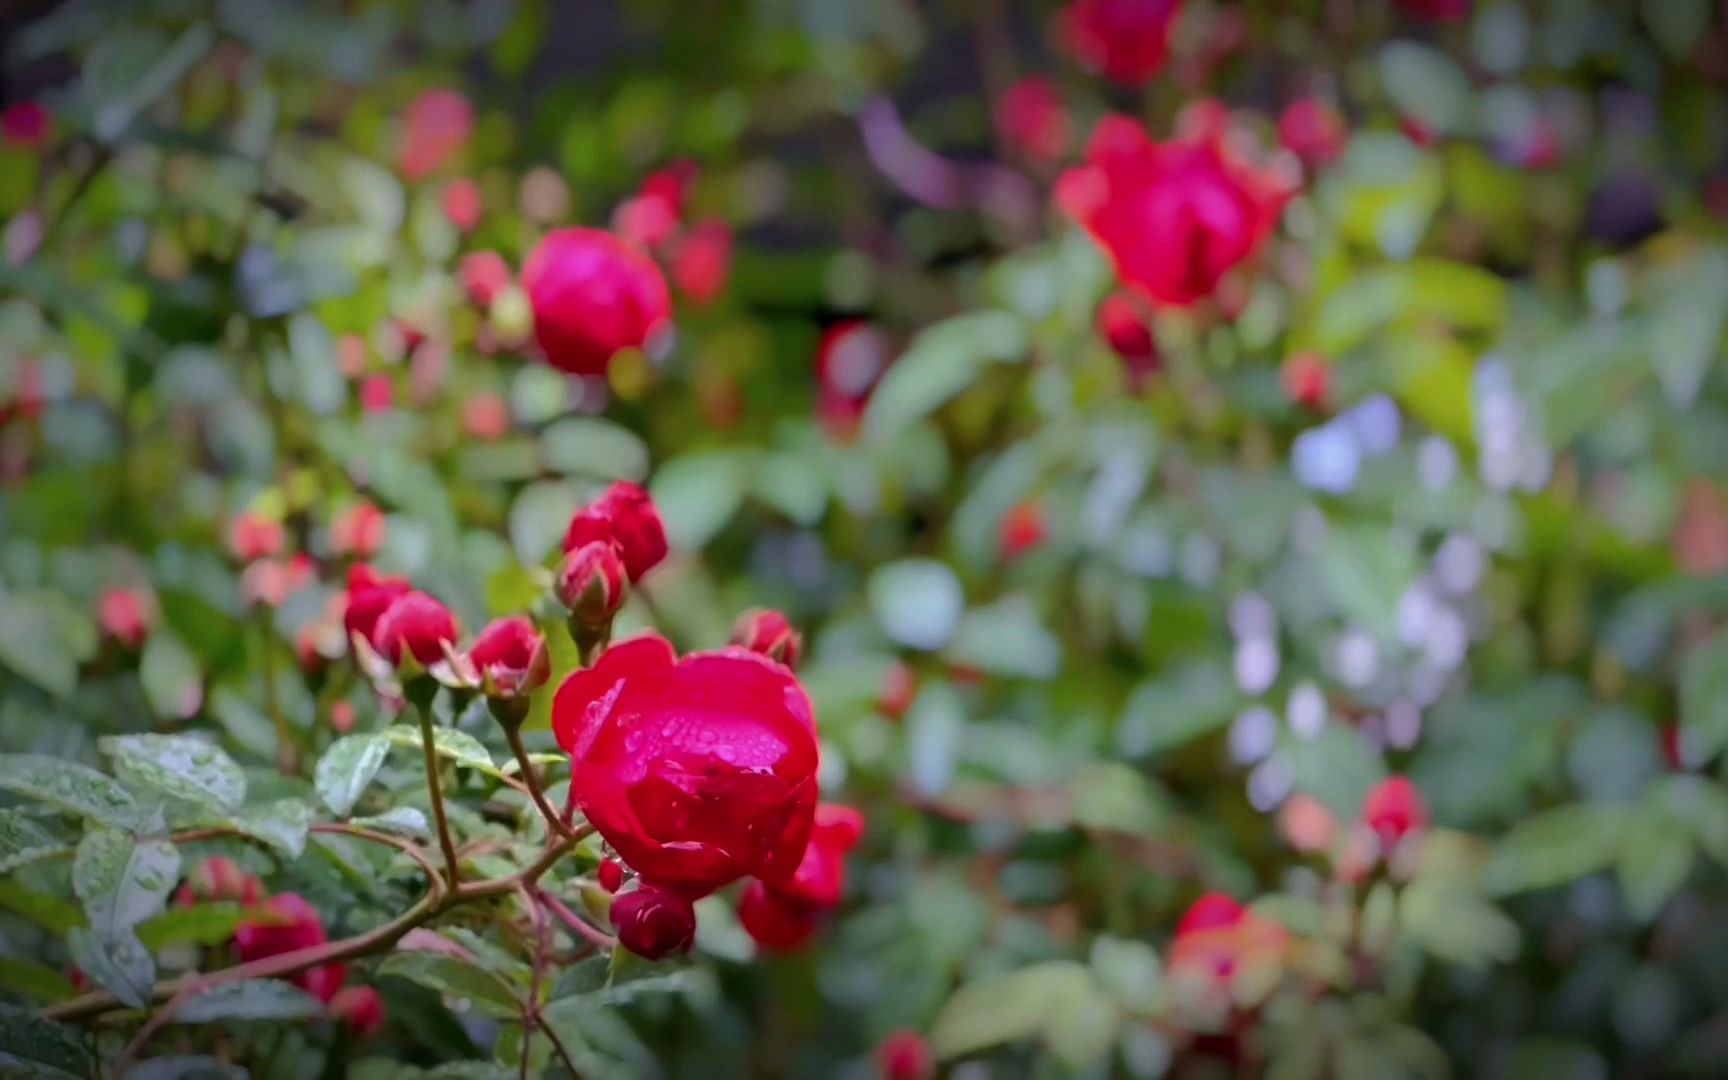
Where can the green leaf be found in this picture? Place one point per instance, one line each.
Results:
(1009, 1008)
(120, 964)
(591, 446)
(1553, 848)
(122, 881)
(31, 647)
(179, 766)
(346, 768)
(1007, 638)
(199, 924)
(73, 788)
(403, 819)
(251, 999)
(36, 980)
(622, 993)
(1114, 796)
(114, 116)
(457, 978)
(941, 362)
(1704, 696)
(1166, 711)
(1656, 856)
(1425, 85)
(539, 516)
(1677, 25)
(283, 824)
(189, 1067)
(27, 1040)
(1366, 572)
(698, 495)
(458, 746)
(1129, 971)
(917, 602)
(49, 912)
(1457, 925)
(23, 841)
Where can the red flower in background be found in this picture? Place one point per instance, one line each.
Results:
(1395, 809)
(593, 296)
(1314, 131)
(1127, 41)
(850, 361)
(293, 925)
(369, 594)
(252, 536)
(702, 261)
(1173, 217)
(1123, 322)
(1022, 530)
(414, 625)
(484, 275)
(769, 633)
(1307, 379)
(358, 531)
(486, 416)
(783, 916)
(697, 771)
(1217, 936)
(462, 204)
(25, 124)
(651, 217)
(625, 516)
(361, 1008)
(654, 922)
(1033, 121)
(435, 127)
(124, 617)
(219, 879)
(1437, 11)
(905, 1055)
(510, 657)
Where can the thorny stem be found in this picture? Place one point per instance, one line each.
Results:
(436, 902)
(435, 791)
(555, 823)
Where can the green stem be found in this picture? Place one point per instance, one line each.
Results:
(287, 755)
(435, 791)
(554, 823)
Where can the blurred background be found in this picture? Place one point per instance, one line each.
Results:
(1305, 488)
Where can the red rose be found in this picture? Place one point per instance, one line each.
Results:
(1033, 121)
(906, 1055)
(436, 126)
(591, 583)
(358, 531)
(1022, 530)
(124, 616)
(1217, 936)
(1313, 131)
(1395, 809)
(377, 394)
(484, 275)
(220, 879)
(593, 296)
(25, 124)
(414, 625)
(697, 771)
(775, 922)
(1124, 324)
(361, 1008)
(1437, 11)
(850, 361)
(1173, 217)
(510, 657)
(1307, 379)
(769, 633)
(252, 536)
(651, 217)
(462, 204)
(782, 917)
(626, 516)
(369, 593)
(1124, 40)
(294, 925)
(654, 922)
(701, 261)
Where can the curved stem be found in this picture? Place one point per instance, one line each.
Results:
(513, 734)
(577, 924)
(435, 791)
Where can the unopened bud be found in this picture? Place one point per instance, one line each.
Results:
(654, 922)
(591, 587)
(769, 633)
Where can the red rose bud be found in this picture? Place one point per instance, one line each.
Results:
(462, 204)
(898, 688)
(1173, 217)
(414, 625)
(1124, 323)
(358, 531)
(484, 275)
(369, 594)
(221, 879)
(25, 124)
(768, 632)
(905, 1055)
(702, 261)
(698, 771)
(1126, 41)
(124, 617)
(377, 394)
(293, 925)
(654, 922)
(1395, 809)
(361, 1008)
(593, 296)
(591, 586)
(626, 516)
(651, 217)
(486, 417)
(1307, 379)
(436, 126)
(850, 359)
(1022, 530)
(611, 875)
(1033, 121)
(510, 658)
(1313, 131)
(1217, 935)
(252, 536)
(774, 922)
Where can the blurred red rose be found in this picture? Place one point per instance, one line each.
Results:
(1021, 530)
(219, 879)
(1307, 379)
(25, 124)
(593, 296)
(898, 688)
(1126, 41)
(436, 126)
(293, 925)
(782, 917)
(484, 275)
(1314, 131)
(702, 260)
(850, 360)
(626, 516)
(414, 625)
(1395, 809)
(1437, 11)
(697, 771)
(769, 633)
(486, 416)
(1173, 217)
(650, 218)
(462, 204)
(124, 616)
(377, 394)
(906, 1055)
(654, 922)
(369, 594)
(510, 657)
(1033, 121)
(1217, 936)
(252, 536)
(1123, 322)
(358, 531)
(361, 1008)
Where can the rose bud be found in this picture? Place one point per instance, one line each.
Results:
(359, 1007)
(124, 617)
(369, 593)
(1307, 379)
(1022, 530)
(1033, 121)
(414, 626)
(252, 536)
(1217, 937)
(436, 126)
(486, 417)
(591, 587)
(782, 917)
(611, 875)
(1125, 325)
(626, 516)
(508, 662)
(1395, 809)
(293, 925)
(358, 531)
(1127, 43)
(905, 1055)
(654, 922)
(697, 771)
(221, 879)
(899, 686)
(25, 124)
(1313, 131)
(484, 274)
(462, 204)
(702, 260)
(767, 632)
(594, 296)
